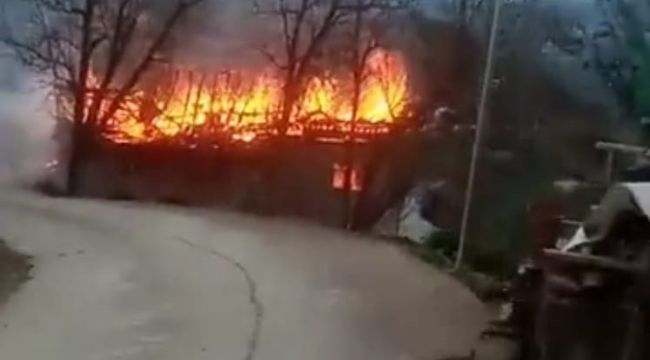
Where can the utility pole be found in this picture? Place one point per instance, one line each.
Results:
(480, 122)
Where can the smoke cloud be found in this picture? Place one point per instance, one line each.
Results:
(26, 125)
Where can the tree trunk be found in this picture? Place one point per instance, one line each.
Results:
(275, 194)
(76, 139)
(350, 153)
(350, 161)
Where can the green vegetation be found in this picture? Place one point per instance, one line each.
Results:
(540, 129)
(440, 252)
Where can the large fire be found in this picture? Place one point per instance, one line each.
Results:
(242, 107)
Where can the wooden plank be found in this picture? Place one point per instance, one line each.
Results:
(593, 261)
(623, 148)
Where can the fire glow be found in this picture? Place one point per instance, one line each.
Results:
(243, 107)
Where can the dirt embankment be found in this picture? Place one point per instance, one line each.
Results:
(14, 270)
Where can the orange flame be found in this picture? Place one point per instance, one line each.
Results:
(242, 108)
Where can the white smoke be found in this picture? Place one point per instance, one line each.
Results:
(26, 125)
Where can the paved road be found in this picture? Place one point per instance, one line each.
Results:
(126, 281)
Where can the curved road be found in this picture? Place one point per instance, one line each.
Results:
(127, 281)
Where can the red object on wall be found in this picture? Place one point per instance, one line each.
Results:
(339, 174)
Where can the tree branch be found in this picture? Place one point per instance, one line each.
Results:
(271, 57)
(120, 39)
(61, 6)
(181, 8)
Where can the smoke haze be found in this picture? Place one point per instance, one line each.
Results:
(26, 125)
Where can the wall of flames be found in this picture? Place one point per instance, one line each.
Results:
(194, 108)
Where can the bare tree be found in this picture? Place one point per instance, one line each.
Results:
(305, 26)
(466, 11)
(94, 54)
(370, 20)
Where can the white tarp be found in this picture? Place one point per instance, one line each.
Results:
(406, 220)
(628, 198)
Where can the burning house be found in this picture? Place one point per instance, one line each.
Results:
(214, 138)
(316, 130)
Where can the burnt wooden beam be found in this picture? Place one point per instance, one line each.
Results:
(593, 261)
(623, 148)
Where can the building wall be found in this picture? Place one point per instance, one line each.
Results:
(242, 180)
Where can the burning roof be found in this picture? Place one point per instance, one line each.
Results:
(237, 106)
